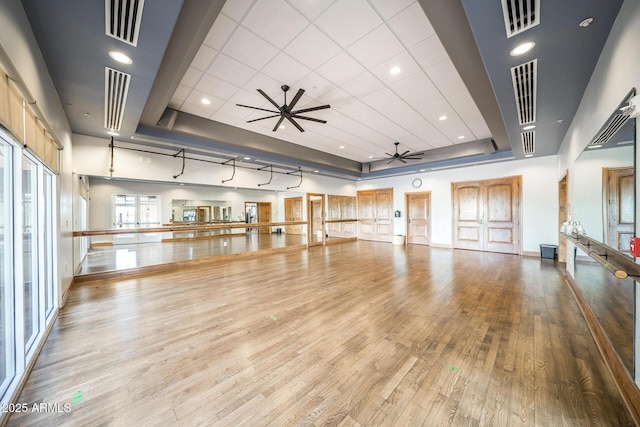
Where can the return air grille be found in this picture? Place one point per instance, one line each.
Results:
(116, 87)
(123, 19)
(524, 87)
(612, 127)
(528, 142)
(520, 15)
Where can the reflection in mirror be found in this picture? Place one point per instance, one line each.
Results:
(316, 216)
(200, 211)
(341, 208)
(604, 202)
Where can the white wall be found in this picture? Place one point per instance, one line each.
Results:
(539, 198)
(91, 156)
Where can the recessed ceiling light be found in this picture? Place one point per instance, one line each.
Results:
(120, 57)
(113, 133)
(422, 170)
(182, 183)
(87, 114)
(342, 146)
(247, 158)
(586, 22)
(371, 157)
(560, 120)
(282, 127)
(528, 155)
(206, 101)
(461, 137)
(529, 127)
(441, 118)
(522, 48)
(394, 71)
(316, 171)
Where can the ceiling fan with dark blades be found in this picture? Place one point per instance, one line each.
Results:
(404, 156)
(286, 111)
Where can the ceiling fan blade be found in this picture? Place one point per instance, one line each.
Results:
(400, 158)
(404, 154)
(256, 108)
(392, 159)
(293, 122)
(262, 118)
(306, 110)
(275, 128)
(295, 99)
(390, 155)
(412, 158)
(268, 98)
(308, 118)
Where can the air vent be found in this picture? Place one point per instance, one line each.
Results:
(520, 15)
(528, 142)
(524, 87)
(123, 19)
(612, 127)
(116, 87)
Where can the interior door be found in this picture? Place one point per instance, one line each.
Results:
(620, 207)
(264, 215)
(487, 215)
(375, 215)
(467, 216)
(418, 218)
(293, 212)
(315, 212)
(366, 215)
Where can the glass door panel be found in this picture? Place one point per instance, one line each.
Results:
(7, 307)
(30, 250)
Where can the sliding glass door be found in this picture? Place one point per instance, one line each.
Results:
(30, 251)
(7, 344)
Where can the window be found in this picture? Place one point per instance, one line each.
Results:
(130, 211)
(7, 354)
(30, 251)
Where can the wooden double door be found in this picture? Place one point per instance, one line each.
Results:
(620, 211)
(375, 215)
(486, 215)
(293, 212)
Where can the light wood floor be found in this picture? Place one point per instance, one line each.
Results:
(357, 334)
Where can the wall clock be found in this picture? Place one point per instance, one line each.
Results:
(417, 183)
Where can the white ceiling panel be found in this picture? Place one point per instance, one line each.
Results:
(286, 70)
(429, 52)
(230, 70)
(363, 85)
(180, 95)
(230, 108)
(381, 99)
(445, 76)
(275, 21)
(249, 49)
(389, 8)
(405, 64)
(191, 77)
(346, 21)
(312, 48)
(315, 85)
(412, 85)
(376, 47)
(195, 97)
(214, 86)
(204, 57)
(236, 9)
(220, 32)
(310, 8)
(340, 69)
(411, 25)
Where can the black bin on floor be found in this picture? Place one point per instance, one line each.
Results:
(548, 251)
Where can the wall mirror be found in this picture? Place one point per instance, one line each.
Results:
(315, 214)
(604, 202)
(200, 210)
(341, 217)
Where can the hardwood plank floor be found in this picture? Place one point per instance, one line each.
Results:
(357, 334)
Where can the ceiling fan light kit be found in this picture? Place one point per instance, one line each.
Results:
(285, 111)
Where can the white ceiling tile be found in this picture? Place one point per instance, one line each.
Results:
(388, 8)
(249, 49)
(310, 8)
(285, 69)
(220, 32)
(337, 98)
(376, 47)
(203, 58)
(196, 96)
(446, 78)
(340, 69)
(381, 99)
(216, 87)
(348, 20)
(230, 70)
(175, 103)
(412, 86)
(181, 93)
(363, 85)
(197, 109)
(236, 9)
(408, 67)
(275, 21)
(265, 83)
(191, 77)
(230, 109)
(315, 85)
(312, 48)
(429, 52)
(411, 25)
